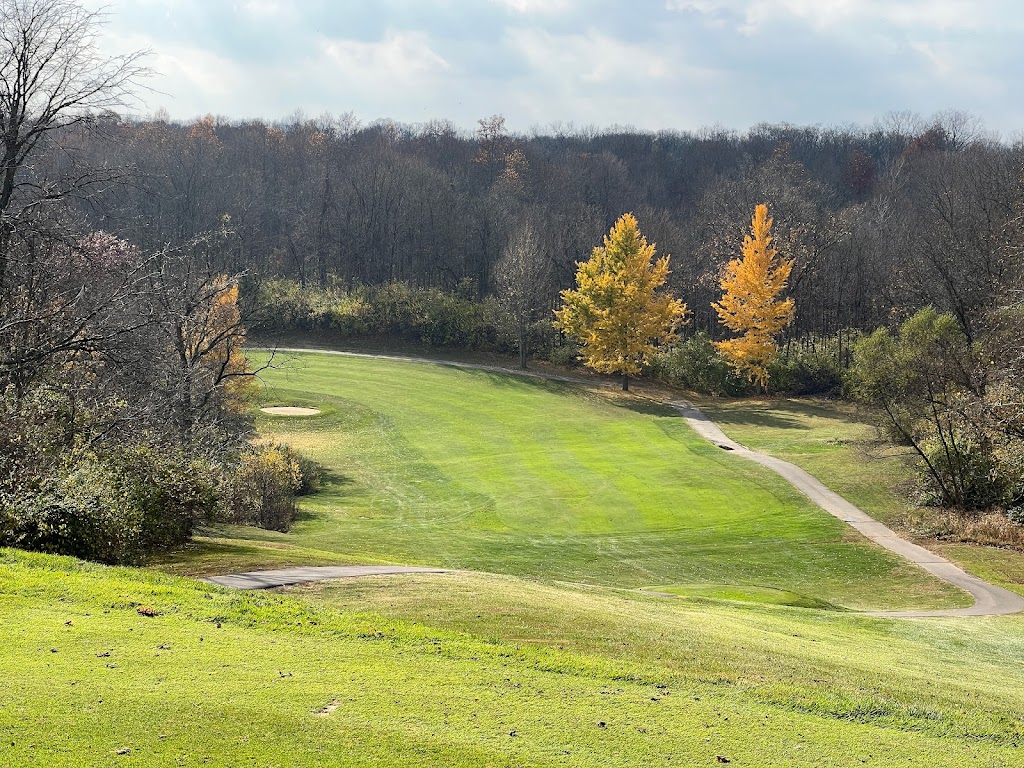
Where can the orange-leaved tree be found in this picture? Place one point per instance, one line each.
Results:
(616, 311)
(750, 303)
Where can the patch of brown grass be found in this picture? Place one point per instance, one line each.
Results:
(992, 529)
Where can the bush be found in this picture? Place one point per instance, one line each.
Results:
(114, 508)
(971, 469)
(811, 367)
(311, 473)
(566, 354)
(263, 488)
(397, 310)
(695, 364)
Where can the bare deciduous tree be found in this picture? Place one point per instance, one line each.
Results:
(53, 79)
(523, 281)
(53, 76)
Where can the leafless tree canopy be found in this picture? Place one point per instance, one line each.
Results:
(52, 76)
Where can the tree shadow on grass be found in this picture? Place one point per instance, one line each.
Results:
(331, 482)
(781, 413)
(759, 418)
(645, 407)
(518, 379)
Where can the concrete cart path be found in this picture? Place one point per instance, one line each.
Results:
(990, 600)
(283, 577)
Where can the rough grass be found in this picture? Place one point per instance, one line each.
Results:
(481, 671)
(831, 440)
(488, 472)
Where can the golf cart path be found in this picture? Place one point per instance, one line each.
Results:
(990, 600)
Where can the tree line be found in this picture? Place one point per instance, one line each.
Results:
(124, 413)
(879, 221)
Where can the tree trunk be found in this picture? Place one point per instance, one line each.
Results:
(522, 347)
(625, 382)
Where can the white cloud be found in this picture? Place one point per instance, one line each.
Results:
(591, 57)
(536, 7)
(668, 64)
(400, 57)
(184, 76)
(592, 77)
(832, 14)
(266, 8)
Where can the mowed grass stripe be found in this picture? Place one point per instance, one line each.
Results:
(590, 457)
(482, 471)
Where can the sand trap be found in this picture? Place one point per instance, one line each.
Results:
(290, 410)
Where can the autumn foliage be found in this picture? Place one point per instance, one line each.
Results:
(750, 304)
(212, 339)
(616, 311)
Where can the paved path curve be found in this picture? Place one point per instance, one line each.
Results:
(990, 600)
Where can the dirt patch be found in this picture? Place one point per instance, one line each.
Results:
(290, 410)
(327, 709)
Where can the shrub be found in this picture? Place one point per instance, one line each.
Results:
(695, 364)
(396, 310)
(173, 495)
(565, 354)
(263, 488)
(811, 367)
(966, 466)
(113, 508)
(311, 473)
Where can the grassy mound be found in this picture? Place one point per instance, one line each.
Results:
(120, 667)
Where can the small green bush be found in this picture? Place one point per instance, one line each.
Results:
(695, 364)
(565, 354)
(809, 368)
(986, 476)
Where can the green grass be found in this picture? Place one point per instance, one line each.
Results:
(742, 594)
(540, 484)
(488, 472)
(930, 676)
(580, 676)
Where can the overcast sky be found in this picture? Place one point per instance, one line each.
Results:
(652, 64)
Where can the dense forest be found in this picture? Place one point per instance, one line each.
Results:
(880, 220)
(135, 255)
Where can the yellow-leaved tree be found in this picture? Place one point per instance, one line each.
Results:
(750, 303)
(616, 312)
